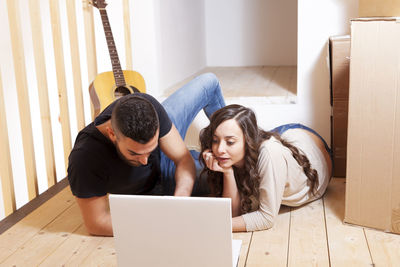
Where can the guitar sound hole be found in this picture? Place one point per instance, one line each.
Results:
(121, 91)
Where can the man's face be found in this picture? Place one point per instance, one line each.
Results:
(132, 152)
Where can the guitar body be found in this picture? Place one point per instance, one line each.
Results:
(102, 89)
(108, 86)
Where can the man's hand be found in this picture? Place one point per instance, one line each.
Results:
(96, 215)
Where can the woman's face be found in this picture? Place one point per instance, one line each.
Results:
(228, 145)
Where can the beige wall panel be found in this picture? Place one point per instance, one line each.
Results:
(61, 82)
(90, 43)
(127, 30)
(23, 98)
(76, 68)
(38, 52)
(6, 174)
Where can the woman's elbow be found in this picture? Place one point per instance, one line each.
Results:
(260, 222)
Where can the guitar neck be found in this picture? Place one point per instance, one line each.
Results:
(116, 66)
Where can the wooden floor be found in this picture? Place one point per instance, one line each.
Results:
(278, 82)
(312, 235)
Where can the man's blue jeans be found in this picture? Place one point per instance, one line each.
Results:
(202, 93)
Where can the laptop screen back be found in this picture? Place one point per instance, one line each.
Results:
(172, 231)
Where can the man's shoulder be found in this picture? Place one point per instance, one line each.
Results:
(90, 143)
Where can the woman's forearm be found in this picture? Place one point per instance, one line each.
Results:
(230, 190)
(238, 224)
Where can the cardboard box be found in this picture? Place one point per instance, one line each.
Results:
(379, 8)
(339, 48)
(339, 136)
(373, 141)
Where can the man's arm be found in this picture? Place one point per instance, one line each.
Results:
(175, 149)
(96, 215)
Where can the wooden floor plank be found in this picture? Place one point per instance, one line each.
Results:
(384, 247)
(262, 81)
(253, 81)
(270, 247)
(307, 244)
(54, 235)
(282, 81)
(103, 255)
(42, 244)
(347, 244)
(246, 239)
(74, 250)
(24, 230)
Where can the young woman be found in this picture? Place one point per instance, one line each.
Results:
(261, 170)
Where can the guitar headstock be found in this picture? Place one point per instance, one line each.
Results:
(100, 4)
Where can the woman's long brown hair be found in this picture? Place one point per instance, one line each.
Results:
(247, 178)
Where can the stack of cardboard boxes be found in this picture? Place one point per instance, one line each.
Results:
(373, 138)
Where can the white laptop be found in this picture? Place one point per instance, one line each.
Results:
(161, 231)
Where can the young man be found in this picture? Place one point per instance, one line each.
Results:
(135, 146)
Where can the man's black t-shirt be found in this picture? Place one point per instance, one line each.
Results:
(95, 169)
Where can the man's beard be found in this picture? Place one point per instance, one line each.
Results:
(133, 163)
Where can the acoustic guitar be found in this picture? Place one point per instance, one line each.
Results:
(108, 86)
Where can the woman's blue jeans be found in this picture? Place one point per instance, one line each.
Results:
(281, 129)
(202, 93)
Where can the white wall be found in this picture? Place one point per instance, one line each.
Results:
(181, 39)
(249, 33)
(144, 36)
(317, 21)
(168, 39)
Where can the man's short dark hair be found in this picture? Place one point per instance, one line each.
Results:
(135, 117)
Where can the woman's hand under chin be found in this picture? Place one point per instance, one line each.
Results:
(212, 162)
